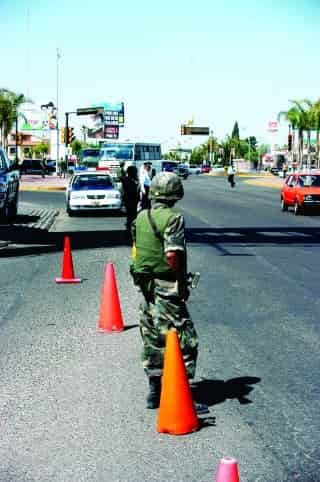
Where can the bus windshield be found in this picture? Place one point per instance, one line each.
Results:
(117, 151)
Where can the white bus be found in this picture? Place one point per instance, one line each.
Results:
(132, 153)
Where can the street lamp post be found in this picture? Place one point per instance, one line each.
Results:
(57, 102)
(211, 148)
(16, 127)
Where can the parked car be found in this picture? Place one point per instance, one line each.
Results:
(205, 169)
(30, 166)
(301, 190)
(194, 170)
(90, 191)
(51, 166)
(9, 187)
(183, 171)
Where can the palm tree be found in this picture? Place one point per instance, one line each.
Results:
(300, 119)
(9, 112)
(315, 113)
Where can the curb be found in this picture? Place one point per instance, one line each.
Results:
(262, 183)
(43, 188)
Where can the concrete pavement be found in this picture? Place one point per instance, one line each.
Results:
(48, 183)
(55, 183)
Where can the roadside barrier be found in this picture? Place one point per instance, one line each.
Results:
(110, 319)
(177, 415)
(228, 470)
(67, 274)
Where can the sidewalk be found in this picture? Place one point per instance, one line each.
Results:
(48, 183)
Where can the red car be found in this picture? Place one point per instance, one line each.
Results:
(205, 169)
(301, 190)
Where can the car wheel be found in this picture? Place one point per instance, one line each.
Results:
(284, 206)
(5, 213)
(13, 209)
(297, 208)
(69, 211)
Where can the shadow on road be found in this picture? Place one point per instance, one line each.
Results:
(26, 240)
(254, 235)
(212, 392)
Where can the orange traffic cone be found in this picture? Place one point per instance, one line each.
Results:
(177, 415)
(110, 319)
(67, 275)
(228, 470)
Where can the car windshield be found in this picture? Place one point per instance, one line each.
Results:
(309, 181)
(92, 182)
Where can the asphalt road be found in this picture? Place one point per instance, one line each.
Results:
(72, 399)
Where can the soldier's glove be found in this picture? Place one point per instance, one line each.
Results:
(184, 292)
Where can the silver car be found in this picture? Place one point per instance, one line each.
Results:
(92, 191)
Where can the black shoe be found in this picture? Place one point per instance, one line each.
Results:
(153, 398)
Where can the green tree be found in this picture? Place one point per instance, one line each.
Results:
(9, 112)
(199, 154)
(76, 147)
(235, 132)
(41, 149)
(315, 115)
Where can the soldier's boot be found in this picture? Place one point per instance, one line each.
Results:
(153, 398)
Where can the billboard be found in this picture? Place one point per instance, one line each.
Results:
(105, 124)
(113, 112)
(36, 118)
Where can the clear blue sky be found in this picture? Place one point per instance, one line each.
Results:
(168, 60)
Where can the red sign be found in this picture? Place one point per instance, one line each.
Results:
(273, 126)
(111, 132)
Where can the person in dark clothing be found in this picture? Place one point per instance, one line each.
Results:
(131, 194)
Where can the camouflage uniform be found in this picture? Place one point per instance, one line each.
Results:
(162, 307)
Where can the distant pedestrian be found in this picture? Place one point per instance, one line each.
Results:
(231, 173)
(131, 194)
(43, 164)
(145, 183)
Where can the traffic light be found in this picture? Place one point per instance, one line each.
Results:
(71, 136)
(183, 130)
(289, 142)
(63, 135)
(19, 138)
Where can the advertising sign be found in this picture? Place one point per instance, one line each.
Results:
(42, 118)
(113, 112)
(273, 126)
(111, 132)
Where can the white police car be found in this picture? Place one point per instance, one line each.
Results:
(90, 191)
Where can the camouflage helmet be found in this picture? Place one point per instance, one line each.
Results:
(166, 186)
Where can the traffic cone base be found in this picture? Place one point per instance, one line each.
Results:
(228, 470)
(177, 415)
(110, 319)
(67, 273)
(67, 280)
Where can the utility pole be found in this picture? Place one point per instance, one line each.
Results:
(211, 148)
(57, 104)
(16, 124)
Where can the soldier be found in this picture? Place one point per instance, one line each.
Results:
(160, 269)
(121, 172)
